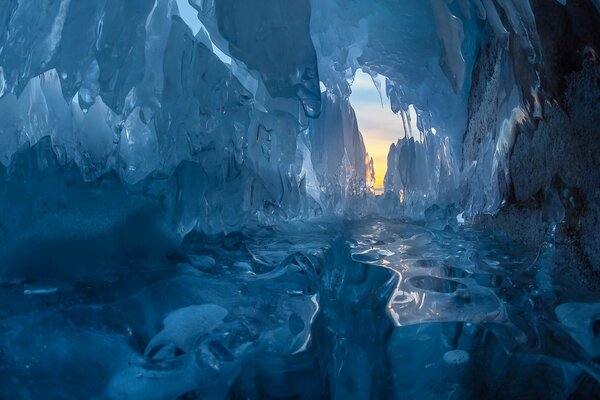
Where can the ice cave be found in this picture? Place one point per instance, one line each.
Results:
(299, 199)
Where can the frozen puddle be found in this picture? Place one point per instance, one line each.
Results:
(368, 309)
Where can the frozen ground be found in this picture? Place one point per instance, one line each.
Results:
(331, 309)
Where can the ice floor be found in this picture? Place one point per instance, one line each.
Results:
(347, 310)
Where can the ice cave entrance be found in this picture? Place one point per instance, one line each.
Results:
(379, 126)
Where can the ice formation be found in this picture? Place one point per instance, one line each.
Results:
(142, 95)
(186, 200)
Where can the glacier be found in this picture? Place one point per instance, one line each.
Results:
(187, 203)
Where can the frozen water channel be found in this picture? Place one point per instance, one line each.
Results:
(330, 309)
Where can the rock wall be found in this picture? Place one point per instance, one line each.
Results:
(550, 183)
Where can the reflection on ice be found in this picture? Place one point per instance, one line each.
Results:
(363, 309)
(435, 277)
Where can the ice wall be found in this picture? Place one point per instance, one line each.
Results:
(426, 52)
(125, 89)
(421, 173)
(122, 90)
(547, 180)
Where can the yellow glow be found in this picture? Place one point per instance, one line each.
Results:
(378, 149)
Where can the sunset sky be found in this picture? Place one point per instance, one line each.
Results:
(379, 126)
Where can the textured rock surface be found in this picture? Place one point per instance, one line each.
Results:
(550, 178)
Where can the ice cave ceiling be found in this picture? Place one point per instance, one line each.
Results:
(129, 122)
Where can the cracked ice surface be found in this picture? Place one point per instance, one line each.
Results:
(375, 308)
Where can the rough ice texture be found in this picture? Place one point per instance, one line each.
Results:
(55, 224)
(144, 98)
(432, 70)
(580, 319)
(548, 178)
(421, 173)
(555, 170)
(272, 39)
(125, 88)
(121, 133)
(398, 41)
(302, 310)
(484, 183)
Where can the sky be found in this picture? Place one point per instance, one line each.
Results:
(190, 16)
(379, 126)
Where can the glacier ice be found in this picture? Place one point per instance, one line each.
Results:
(187, 204)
